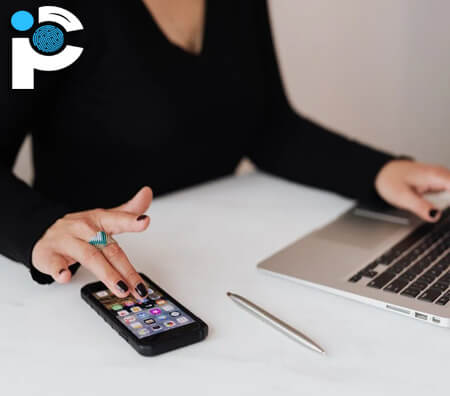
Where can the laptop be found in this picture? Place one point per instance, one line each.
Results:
(386, 258)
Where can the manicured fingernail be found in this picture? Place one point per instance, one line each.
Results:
(433, 213)
(141, 290)
(122, 286)
(61, 271)
(141, 217)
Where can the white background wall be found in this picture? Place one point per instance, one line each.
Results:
(376, 70)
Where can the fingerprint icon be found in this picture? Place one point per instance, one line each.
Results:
(48, 39)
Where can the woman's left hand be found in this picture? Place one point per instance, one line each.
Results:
(402, 183)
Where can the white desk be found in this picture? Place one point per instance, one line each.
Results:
(202, 243)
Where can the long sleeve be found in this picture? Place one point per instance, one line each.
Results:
(290, 146)
(25, 214)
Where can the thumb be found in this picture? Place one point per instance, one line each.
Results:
(415, 203)
(139, 203)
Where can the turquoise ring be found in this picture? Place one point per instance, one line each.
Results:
(101, 240)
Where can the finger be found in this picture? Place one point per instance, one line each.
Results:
(115, 222)
(415, 203)
(139, 203)
(431, 178)
(440, 178)
(56, 266)
(93, 259)
(117, 257)
(64, 275)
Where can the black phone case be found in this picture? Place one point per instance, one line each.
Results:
(184, 336)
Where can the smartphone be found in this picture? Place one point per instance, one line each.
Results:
(152, 326)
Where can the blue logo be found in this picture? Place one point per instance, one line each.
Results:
(48, 39)
(46, 49)
(22, 21)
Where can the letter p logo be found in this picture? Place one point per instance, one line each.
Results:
(45, 51)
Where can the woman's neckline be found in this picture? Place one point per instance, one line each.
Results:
(176, 47)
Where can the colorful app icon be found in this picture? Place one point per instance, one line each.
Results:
(182, 320)
(149, 321)
(175, 314)
(142, 315)
(160, 302)
(116, 307)
(143, 301)
(136, 309)
(169, 323)
(156, 327)
(149, 305)
(122, 313)
(168, 307)
(150, 291)
(101, 294)
(161, 317)
(155, 296)
(136, 325)
(144, 332)
(129, 319)
(128, 303)
(155, 311)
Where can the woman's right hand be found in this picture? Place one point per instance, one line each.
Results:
(67, 242)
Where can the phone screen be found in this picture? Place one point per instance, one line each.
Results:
(144, 318)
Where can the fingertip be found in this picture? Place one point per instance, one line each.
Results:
(434, 215)
(121, 289)
(145, 194)
(141, 290)
(144, 221)
(148, 191)
(64, 276)
(142, 218)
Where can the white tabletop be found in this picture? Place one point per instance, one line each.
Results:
(203, 242)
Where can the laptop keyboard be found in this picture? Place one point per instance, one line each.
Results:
(417, 266)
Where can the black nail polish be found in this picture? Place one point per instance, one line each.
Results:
(141, 217)
(61, 271)
(122, 286)
(141, 290)
(433, 213)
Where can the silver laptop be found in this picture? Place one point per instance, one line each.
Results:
(385, 258)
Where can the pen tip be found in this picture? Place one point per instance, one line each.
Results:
(228, 294)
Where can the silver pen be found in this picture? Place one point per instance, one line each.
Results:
(275, 322)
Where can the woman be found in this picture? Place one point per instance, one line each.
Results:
(167, 93)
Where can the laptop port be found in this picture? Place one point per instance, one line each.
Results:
(435, 320)
(422, 316)
(397, 309)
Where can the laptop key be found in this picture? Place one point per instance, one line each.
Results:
(426, 279)
(411, 292)
(419, 285)
(370, 266)
(430, 295)
(355, 278)
(396, 285)
(381, 280)
(440, 286)
(399, 267)
(445, 279)
(369, 273)
(443, 300)
(409, 276)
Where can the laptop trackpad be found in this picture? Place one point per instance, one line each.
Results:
(358, 231)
